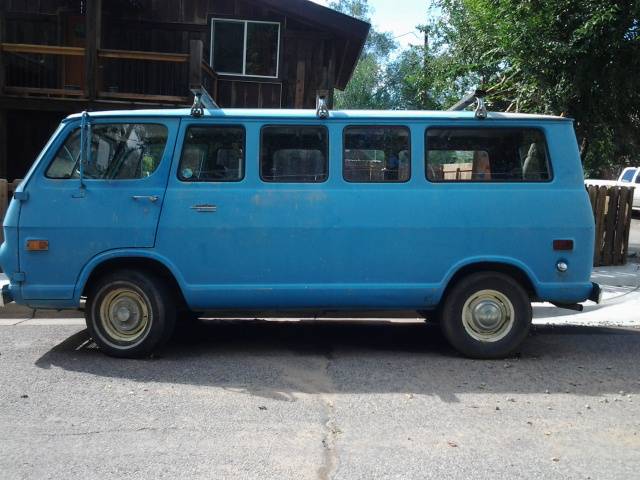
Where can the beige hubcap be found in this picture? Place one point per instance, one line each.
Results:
(488, 316)
(124, 315)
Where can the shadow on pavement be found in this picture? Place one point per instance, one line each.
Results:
(281, 359)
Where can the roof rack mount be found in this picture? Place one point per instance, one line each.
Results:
(476, 96)
(322, 104)
(202, 100)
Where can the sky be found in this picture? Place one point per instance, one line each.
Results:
(399, 17)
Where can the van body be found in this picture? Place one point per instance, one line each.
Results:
(281, 210)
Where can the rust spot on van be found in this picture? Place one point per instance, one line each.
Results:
(317, 197)
(257, 199)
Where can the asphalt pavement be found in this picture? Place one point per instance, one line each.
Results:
(319, 400)
(326, 399)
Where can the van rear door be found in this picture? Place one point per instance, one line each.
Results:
(64, 222)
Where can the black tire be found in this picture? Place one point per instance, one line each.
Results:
(498, 292)
(430, 316)
(149, 309)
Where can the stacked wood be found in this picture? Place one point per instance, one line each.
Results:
(612, 210)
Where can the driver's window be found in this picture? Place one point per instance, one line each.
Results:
(118, 152)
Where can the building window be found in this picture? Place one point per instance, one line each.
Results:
(247, 48)
(294, 154)
(486, 155)
(377, 154)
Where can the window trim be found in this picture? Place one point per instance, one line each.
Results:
(492, 181)
(382, 182)
(244, 73)
(326, 157)
(211, 125)
(86, 179)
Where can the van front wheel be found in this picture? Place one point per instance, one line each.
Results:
(130, 314)
(486, 315)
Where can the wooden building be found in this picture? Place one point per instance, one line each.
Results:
(63, 56)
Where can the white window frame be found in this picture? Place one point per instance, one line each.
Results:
(244, 49)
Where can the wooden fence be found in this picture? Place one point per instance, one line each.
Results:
(6, 192)
(612, 209)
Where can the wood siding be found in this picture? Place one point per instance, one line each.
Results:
(314, 48)
(307, 55)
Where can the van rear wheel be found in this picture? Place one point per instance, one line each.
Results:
(130, 314)
(486, 315)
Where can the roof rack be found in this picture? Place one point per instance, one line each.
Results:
(202, 100)
(322, 104)
(476, 96)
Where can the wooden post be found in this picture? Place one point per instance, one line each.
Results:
(93, 16)
(4, 202)
(601, 200)
(332, 74)
(610, 224)
(627, 225)
(195, 64)
(4, 161)
(2, 69)
(621, 219)
(300, 80)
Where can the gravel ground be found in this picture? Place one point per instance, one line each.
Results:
(305, 400)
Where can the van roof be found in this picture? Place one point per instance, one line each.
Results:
(255, 113)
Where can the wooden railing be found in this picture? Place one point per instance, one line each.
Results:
(612, 209)
(38, 69)
(124, 75)
(201, 75)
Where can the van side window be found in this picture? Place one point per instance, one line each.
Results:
(294, 154)
(486, 155)
(213, 154)
(118, 152)
(376, 154)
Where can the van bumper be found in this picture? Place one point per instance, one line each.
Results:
(596, 294)
(6, 296)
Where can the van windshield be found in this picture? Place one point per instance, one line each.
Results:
(628, 175)
(118, 152)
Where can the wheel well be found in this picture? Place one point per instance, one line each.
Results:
(514, 272)
(148, 265)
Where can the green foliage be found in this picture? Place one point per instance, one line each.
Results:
(368, 88)
(578, 58)
(567, 57)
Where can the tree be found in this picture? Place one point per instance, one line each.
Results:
(368, 88)
(577, 58)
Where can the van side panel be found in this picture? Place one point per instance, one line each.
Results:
(338, 245)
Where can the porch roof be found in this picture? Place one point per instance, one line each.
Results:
(354, 31)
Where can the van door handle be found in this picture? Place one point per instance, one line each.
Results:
(205, 208)
(151, 198)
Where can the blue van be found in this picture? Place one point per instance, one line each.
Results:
(149, 215)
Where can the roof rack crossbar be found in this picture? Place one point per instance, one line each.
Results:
(474, 97)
